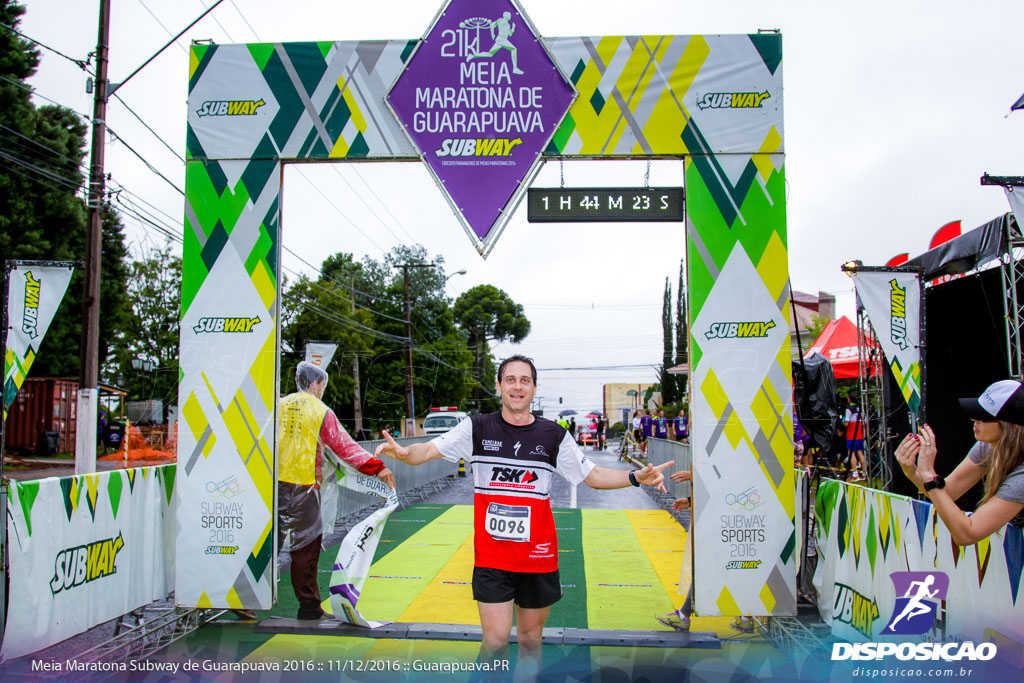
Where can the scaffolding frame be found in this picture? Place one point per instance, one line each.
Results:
(871, 387)
(1012, 266)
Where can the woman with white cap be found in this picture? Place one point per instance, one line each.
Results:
(998, 458)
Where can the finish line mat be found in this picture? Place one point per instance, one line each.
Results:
(618, 568)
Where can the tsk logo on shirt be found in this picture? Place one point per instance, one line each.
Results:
(514, 478)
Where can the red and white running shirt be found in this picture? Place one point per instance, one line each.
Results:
(512, 470)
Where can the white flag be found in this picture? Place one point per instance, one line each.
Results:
(1015, 195)
(892, 301)
(320, 353)
(33, 295)
(352, 565)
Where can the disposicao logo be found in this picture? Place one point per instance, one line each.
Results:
(230, 107)
(739, 330)
(30, 318)
(914, 613)
(85, 563)
(212, 325)
(733, 100)
(898, 314)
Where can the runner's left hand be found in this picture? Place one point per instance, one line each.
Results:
(652, 476)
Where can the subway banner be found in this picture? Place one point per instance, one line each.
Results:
(877, 550)
(892, 301)
(485, 93)
(34, 293)
(86, 549)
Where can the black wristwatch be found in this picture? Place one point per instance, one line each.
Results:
(632, 478)
(936, 483)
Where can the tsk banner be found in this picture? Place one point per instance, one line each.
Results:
(33, 294)
(320, 353)
(84, 550)
(892, 301)
(876, 551)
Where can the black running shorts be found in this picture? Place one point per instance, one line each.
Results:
(530, 591)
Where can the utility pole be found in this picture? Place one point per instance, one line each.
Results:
(88, 392)
(410, 399)
(356, 399)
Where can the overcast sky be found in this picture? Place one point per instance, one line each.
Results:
(893, 111)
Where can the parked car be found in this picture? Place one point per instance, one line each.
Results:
(440, 420)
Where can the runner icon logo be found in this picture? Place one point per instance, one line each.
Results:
(914, 612)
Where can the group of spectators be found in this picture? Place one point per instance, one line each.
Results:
(645, 426)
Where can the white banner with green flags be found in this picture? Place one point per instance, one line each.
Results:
(34, 292)
(892, 301)
(86, 549)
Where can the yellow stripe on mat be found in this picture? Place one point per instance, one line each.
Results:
(400, 577)
(623, 589)
(449, 597)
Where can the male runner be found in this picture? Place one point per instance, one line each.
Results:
(501, 30)
(515, 455)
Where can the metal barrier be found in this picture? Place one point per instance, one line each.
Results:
(660, 451)
(408, 478)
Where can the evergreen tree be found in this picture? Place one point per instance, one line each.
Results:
(682, 329)
(42, 215)
(667, 380)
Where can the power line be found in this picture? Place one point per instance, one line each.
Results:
(216, 21)
(56, 177)
(246, 21)
(44, 97)
(146, 125)
(339, 211)
(145, 161)
(82, 64)
(79, 164)
(183, 48)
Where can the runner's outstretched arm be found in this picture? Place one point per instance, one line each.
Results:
(413, 454)
(604, 478)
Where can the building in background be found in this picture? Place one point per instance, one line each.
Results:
(620, 400)
(809, 307)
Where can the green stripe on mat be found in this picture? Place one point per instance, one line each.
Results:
(624, 592)
(571, 610)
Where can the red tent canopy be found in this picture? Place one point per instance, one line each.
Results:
(838, 343)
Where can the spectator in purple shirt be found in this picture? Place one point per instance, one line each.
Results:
(681, 427)
(646, 429)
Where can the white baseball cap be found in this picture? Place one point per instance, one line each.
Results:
(1002, 401)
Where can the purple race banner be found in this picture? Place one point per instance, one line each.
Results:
(480, 98)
